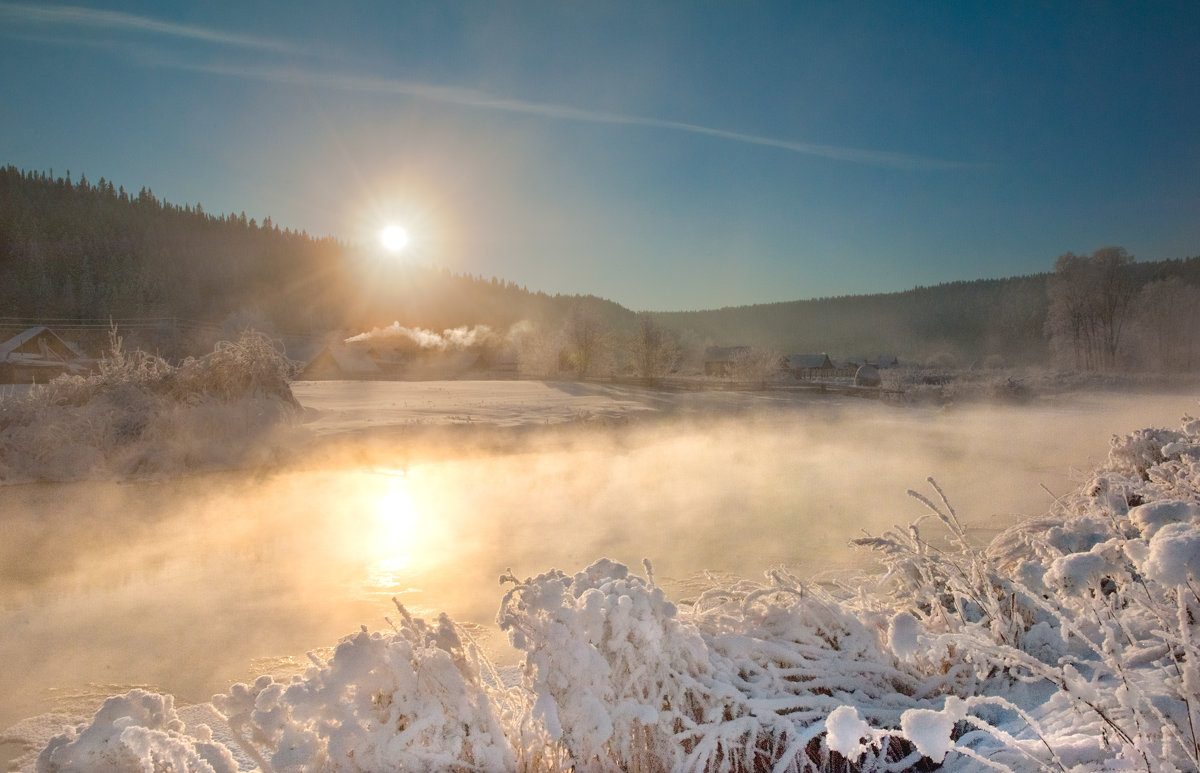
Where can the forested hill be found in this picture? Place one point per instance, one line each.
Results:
(965, 320)
(84, 251)
(90, 251)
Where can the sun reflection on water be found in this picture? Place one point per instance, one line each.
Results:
(396, 521)
(400, 538)
(389, 577)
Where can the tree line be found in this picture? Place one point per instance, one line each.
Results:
(82, 250)
(1107, 312)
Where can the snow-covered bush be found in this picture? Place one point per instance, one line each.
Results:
(411, 699)
(797, 658)
(1096, 606)
(138, 731)
(139, 414)
(616, 681)
(743, 680)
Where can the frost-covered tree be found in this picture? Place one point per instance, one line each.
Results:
(537, 350)
(588, 341)
(655, 349)
(756, 365)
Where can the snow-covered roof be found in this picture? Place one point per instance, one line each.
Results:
(38, 343)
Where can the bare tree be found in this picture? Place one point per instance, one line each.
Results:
(655, 350)
(1090, 299)
(1117, 289)
(1069, 318)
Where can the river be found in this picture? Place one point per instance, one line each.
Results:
(187, 584)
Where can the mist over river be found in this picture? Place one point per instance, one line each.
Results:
(188, 584)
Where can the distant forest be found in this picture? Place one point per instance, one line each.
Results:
(85, 252)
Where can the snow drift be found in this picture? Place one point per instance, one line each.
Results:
(1071, 642)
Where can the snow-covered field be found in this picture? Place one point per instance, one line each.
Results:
(1068, 643)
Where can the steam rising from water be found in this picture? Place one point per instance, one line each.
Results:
(189, 584)
(455, 339)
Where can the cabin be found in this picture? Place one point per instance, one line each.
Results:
(37, 355)
(338, 362)
(719, 360)
(805, 366)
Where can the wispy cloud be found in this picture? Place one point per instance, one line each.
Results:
(472, 98)
(85, 18)
(90, 18)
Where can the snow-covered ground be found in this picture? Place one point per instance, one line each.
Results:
(1069, 644)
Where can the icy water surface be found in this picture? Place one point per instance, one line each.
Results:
(189, 584)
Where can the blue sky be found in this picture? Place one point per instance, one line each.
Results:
(663, 155)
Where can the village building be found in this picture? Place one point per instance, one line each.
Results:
(339, 362)
(37, 355)
(806, 366)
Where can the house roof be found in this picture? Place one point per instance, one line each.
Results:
(39, 343)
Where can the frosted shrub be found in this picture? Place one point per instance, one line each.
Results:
(138, 414)
(1097, 603)
(612, 673)
(798, 659)
(138, 731)
(412, 699)
(1135, 454)
(620, 680)
(251, 367)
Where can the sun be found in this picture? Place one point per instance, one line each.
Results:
(393, 238)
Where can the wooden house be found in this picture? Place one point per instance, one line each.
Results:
(809, 365)
(37, 355)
